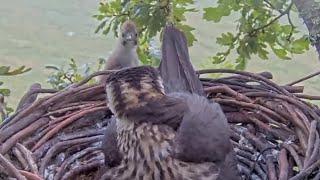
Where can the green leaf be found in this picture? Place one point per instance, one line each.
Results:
(4, 70)
(243, 51)
(101, 26)
(215, 13)
(20, 70)
(5, 92)
(104, 8)
(286, 29)
(73, 64)
(278, 4)
(226, 39)
(241, 63)
(184, 2)
(252, 45)
(281, 53)
(299, 46)
(262, 53)
(52, 67)
(218, 59)
(9, 110)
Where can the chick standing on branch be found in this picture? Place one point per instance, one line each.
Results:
(125, 53)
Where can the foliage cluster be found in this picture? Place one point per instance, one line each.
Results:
(262, 26)
(62, 77)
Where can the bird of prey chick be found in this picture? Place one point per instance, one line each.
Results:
(158, 136)
(125, 53)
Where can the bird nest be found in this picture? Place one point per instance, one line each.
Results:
(273, 130)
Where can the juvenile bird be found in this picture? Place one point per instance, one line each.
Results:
(125, 53)
(162, 136)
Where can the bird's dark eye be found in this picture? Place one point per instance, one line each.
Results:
(136, 34)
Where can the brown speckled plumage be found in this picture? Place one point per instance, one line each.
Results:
(146, 155)
(147, 127)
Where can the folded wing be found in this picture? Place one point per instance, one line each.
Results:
(175, 67)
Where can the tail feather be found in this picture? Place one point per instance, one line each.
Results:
(175, 68)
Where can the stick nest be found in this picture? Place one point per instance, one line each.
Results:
(274, 132)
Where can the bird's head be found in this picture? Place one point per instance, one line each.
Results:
(131, 88)
(129, 34)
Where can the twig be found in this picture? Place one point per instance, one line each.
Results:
(226, 89)
(254, 166)
(294, 154)
(304, 78)
(271, 167)
(30, 176)
(315, 153)
(82, 168)
(20, 158)
(10, 168)
(28, 98)
(295, 119)
(2, 108)
(68, 161)
(87, 79)
(311, 145)
(63, 145)
(66, 123)
(22, 134)
(296, 102)
(28, 156)
(310, 97)
(283, 165)
(307, 171)
(252, 75)
(249, 105)
(273, 20)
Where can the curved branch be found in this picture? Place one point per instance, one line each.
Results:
(273, 20)
(87, 79)
(11, 169)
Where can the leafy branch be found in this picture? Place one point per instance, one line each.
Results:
(62, 77)
(258, 30)
(282, 13)
(150, 16)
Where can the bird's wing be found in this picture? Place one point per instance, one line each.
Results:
(175, 67)
(229, 169)
(167, 110)
(203, 135)
(202, 129)
(109, 145)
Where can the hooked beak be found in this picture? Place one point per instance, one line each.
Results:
(129, 37)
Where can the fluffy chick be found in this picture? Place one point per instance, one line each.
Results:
(125, 53)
